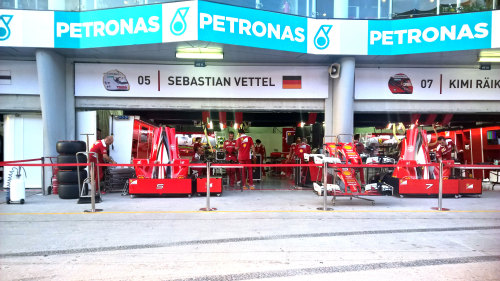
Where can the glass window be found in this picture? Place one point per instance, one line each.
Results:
(324, 9)
(7, 4)
(414, 8)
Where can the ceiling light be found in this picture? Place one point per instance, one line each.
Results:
(489, 56)
(489, 59)
(200, 53)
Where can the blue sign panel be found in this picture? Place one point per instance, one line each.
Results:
(251, 27)
(431, 34)
(113, 27)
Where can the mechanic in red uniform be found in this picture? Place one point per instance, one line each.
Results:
(196, 144)
(245, 146)
(101, 148)
(300, 149)
(444, 149)
(261, 150)
(290, 158)
(231, 156)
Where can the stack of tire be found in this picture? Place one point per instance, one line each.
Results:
(67, 176)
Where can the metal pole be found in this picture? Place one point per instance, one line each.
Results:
(208, 186)
(92, 186)
(325, 181)
(440, 196)
(43, 177)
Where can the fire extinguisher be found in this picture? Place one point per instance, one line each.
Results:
(55, 182)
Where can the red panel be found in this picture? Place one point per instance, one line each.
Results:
(312, 118)
(316, 173)
(222, 118)
(427, 187)
(238, 117)
(430, 119)
(477, 151)
(414, 118)
(201, 185)
(470, 186)
(205, 115)
(446, 119)
(160, 186)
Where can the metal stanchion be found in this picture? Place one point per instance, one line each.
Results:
(44, 192)
(325, 190)
(208, 191)
(440, 194)
(92, 177)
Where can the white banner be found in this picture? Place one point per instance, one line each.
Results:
(187, 81)
(18, 77)
(20, 28)
(495, 29)
(427, 84)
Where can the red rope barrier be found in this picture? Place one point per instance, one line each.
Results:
(3, 163)
(216, 165)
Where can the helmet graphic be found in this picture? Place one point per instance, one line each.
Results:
(400, 84)
(114, 80)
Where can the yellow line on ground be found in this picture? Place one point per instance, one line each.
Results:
(264, 211)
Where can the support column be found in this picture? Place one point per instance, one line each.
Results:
(51, 68)
(343, 100)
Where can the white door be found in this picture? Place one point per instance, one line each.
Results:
(86, 123)
(23, 139)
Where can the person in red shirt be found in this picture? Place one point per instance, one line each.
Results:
(245, 146)
(231, 156)
(101, 148)
(300, 149)
(444, 149)
(196, 144)
(291, 155)
(261, 150)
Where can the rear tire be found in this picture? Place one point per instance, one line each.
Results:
(69, 159)
(68, 191)
(70, 177)
(70, 147)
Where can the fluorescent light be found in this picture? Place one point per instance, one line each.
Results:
(200, 56)
(235, 126)
(489, 56)
(200, 53)
(489, 59)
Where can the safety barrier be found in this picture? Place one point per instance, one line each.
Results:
(210, 166)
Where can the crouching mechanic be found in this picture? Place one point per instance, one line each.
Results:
(101, 148)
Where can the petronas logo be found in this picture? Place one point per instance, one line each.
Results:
(321, 40)
(178, 24)
(4, 26)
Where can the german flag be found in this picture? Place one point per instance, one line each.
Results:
(292, 82)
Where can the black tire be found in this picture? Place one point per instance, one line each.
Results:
(71, 177)
(65, 159)
(68, 191)
(70, 147)
(22, 201)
